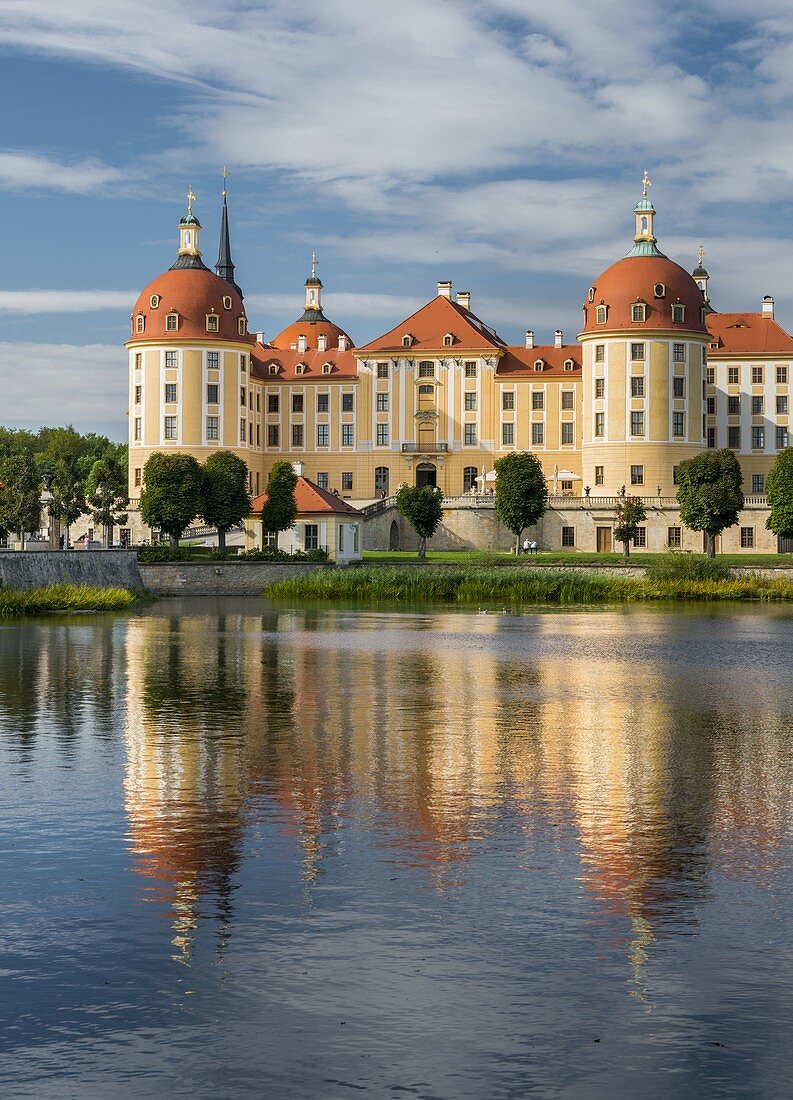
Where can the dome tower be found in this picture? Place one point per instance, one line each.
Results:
(313, 331)
(644, 345)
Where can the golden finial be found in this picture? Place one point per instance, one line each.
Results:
(314, 262)
(190, 199)
(701, 254)
(225, 176)
(646, 182)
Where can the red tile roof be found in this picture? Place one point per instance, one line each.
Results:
(344, 365)
(519, 362)
(311, 330)
(192, 293)
(633, 280)
(310, 500)
(428, 326)
(747, 334)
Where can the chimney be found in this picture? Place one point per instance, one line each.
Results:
(768, 307)
(445, 289)
(302, 343)
(322, 342)
(260, 337)
(529, 337)
(342, 342)
(558, 338)
(464, 298)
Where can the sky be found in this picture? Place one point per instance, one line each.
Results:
(500, 145)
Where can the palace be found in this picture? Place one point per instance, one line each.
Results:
(658, 375)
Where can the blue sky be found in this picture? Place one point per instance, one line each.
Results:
(498, 145)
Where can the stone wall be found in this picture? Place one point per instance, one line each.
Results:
(222, 578)
(99, 568)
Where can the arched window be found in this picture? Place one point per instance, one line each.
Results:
(172, 322)
(140, 323)
(469, 478)
(426, 370)
(381, 478)
(678, 313)
(644, 224)
(241, 326)
(638, 311)
(407, 340)
(212, 322)
(601, 314)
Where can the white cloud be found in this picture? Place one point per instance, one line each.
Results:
(20, 170)
(66, 301)
(339, 304)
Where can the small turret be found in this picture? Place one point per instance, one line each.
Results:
(189, 230)
(225, 266)
(701, 278)
(644, 241)
(313, 307)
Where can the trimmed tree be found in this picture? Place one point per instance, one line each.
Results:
(106, 494)
(20, 495)
(628, 515)
(422, 509)
(521, 492)
(280, 509)
(710, 494)
(68, 495)
(226, 497)
(779, 490)
(171, 497)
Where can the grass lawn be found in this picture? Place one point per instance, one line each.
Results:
(480, 557)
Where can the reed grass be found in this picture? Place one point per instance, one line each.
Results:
(63, 597)
(496, 588)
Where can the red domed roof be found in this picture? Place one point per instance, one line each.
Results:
(192, 292)
(635, 279)
(311, 329)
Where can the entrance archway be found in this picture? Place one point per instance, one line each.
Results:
(426, 474)
(393, 536)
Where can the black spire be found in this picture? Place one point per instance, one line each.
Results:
(224, 266)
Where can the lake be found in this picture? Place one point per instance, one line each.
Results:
(251, 849)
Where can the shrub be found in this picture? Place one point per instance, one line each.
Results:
(687, 567)
(267, 553)
(64, 597)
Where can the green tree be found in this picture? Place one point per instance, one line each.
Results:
(521, 492)
(106, 494)
(68, 495)
(16, 441)
(779, 489)
(225, 492)
(280, 509)
(172, 490)
(20, 495)
(710, 494)
(628, 515)
(422, 509)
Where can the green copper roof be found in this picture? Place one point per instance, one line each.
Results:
(190, 219)
(645, 248)
(644, 205)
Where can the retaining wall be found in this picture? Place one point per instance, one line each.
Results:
(222, 578)
(99, 568)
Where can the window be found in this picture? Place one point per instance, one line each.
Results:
(272, 368)
(258, 406)
(448, 340)
(212, 322)
(567, 433)
(407, 340)
(678, 423)
(537, 435)
(297, 435)
(710, 406)
(711, 437)
(781, 375)
(637, 385)
(757, 406)
(322, 480)
(212, 360)
(673, 537)
(273, 402)
(212, 427)
(637, 475)
(138, 423)
(382, 402)
(172, 322)
(469, 478)
(600, 423)
(382, 435)
(470, 435)
(732, 376)
(323, 402)
(639, 312)
(758, 438)
(470, 400)
(172, 358)
(242, 429)
(598, 475)
(138, 477)
(637, 352)
(170, 393)
(243, 363)
(227, 301)
(139, 394)
(241, 326)
(470, 370)
(679, 353)
(170, 427)
(507, 434)
(601, 315)
(747, 538)
(734, 406)
(678, 314)
(300, 368)
(600, 353)
(272, 435)
(311, 536)
(243, 395)
(140, 323)
(508, 399)
(734, 438)
(213, 392)
(154, 301)
(600, 387)
(567, 399)
(781, 404)
(347, 435)
(538, 399)
(346, 482)
(297, 402)
(138, 360)
(637, 423)
(322, 435)
(710, 375)
(539, 365)
(781, 438)
(567, 486)
(568, 536)
(758, 483)
(269, 537)
(347, 402)
(757, 376)
(659, 290)
(569, 365)
(640, 536)
(426, 370)
(382, 370)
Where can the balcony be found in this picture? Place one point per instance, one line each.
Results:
(424, 448)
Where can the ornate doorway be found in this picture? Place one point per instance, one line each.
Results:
(426, 474)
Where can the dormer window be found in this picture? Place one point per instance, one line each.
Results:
(591, 295)
(569, 364)
(407, 340)
(227, 301)
(448, 340)
(678, 313)
(212, 322)
(172, 322)
(601, 314)
(273, 368)
(154, 301)
(638, 311)
(241, 326)
(140, 323)
(538, 364)
(659, 290)
(300, 368)
(327, 368)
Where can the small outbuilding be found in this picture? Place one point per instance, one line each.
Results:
(324, 522)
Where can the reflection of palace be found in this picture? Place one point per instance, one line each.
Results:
(274, 718)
